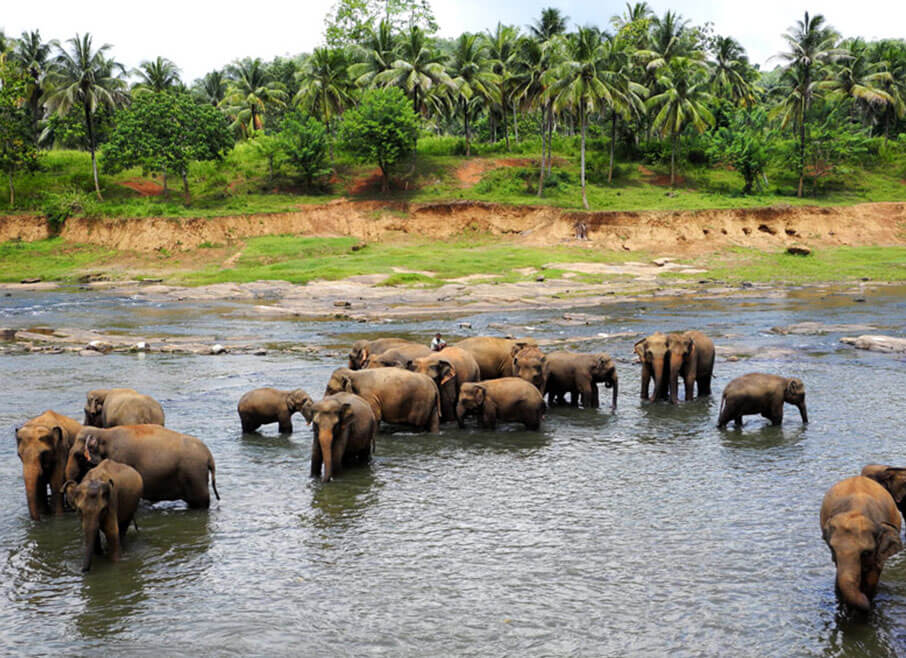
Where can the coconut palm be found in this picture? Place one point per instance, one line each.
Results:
(473, 77)
(376, 55)
(84, 77)
(682, 102)
(212, 87)
(417, 69)
(157, 75)
(33, 56)
(501, 47)
(634, 13)
(551, 24)
(250, 91)
(892, 56)
(730, 72)
(324, 86)
(811, 44)
(860, 80)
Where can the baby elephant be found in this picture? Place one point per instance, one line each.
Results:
(344, 429)
(106, 500)
(270, 405)
(757, 393)
(893, 479)
(509, 399)
(861, 525)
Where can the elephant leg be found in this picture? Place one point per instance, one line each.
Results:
(316, 459)
(112, 533)
(195, 490)
(646, 380)
(286, 423)
(250, 425)
(690, 386)
(434, 422)
(704, 384)
(776, 413)
(574, 396)
(488, 420)
(98, 549)
(595, 396)
(738, 421)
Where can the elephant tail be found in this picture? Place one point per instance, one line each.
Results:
(213, 476)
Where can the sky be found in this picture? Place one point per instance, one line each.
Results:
(199, 35)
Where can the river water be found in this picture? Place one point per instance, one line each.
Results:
(641, 533)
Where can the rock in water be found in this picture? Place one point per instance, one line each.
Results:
(877, 343)
(218, 349)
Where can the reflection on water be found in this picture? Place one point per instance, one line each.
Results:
(644, 531)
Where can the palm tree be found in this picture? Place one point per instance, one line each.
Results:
(682, 103)
(417, 69)
(324, 85)
(892, 56)
(668, 40)
(249, 93)
(730, 72)
(551, 23)
(860, 80)
(33, 56)
(634, 13)
(158, 74)
(85, 77)
(473, 78)
(211, 88)
(501, 46)
(377, 54)
(811, 44)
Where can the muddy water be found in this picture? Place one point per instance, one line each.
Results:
(645, 532)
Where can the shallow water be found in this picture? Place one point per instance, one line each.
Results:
(645, 532)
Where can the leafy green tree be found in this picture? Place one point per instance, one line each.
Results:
(325, 89)
(550, 24)
(417, 69)
(382, 129)
(165, 132)
(743, 144)
(501, 46)
(303, 141)
(683, 103)
(86, 78)
(33, 56)
(349, 21)
(156, 75)
(251, 90)
(811, 44)
(892, 57)
(473, 78)
(860, 81)
(17, 146)
(211, 88)
(376, 55)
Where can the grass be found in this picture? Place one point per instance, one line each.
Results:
(50, 259)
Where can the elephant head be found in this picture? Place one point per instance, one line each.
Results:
(655, 357)
(299, 400)
(529, 363)
(605, 370)
(471, 398)
(42, 450)
(440, 370)
(679, 348)
(389, 359)
(92, 501)
(358, 355)
(892, 478)
(94, 405)
(859, 548)
(95, 445)
(331, 420)
(77, 463)
(794, 393)
(340, 382)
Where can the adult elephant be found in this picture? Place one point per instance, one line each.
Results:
(344, 428)
(759, 393)
(362, 349)
(508, 399)
(579, 375)
(173, 466)
(270, 405)
(494, 355)
(398, 356)
(892, 478)
(692, 358)
(394, 395)
(861, 525)
(109, 407)
(43, 445)
(450, 368)
(530, 364)
(655, 358)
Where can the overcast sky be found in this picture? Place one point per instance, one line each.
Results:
(200, 35)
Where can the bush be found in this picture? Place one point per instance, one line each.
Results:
(303, 141)
(58, 207)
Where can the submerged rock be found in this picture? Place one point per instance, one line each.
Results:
(877, 343)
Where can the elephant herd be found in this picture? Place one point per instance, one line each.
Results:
(122, 452)
(104, 466)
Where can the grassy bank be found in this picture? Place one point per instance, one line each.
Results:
(421, 262)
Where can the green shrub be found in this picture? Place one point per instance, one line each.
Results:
(58, 207)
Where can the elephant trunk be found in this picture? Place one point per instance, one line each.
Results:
(31, 473)
(803, 412)
(848, 580)
(90, 538)
(616, 389)
(658, 367)
(325, 439)
(460, 414)
(674, 381)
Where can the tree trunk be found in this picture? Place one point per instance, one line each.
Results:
(506, 127)
(613, 139)
(12, 191)
(515, 124)
(415, 100)
(583, 120)
(329, 139)
(465, 116)
(673, 162)
(385, 180)
(94, 161)
(166, 191)
(801, 156)
(541, 170)
(550, 137)
(185, 187)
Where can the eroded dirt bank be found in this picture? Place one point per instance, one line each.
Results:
(687, 232)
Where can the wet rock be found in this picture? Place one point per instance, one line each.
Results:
(99, 346)
(660, 262)
(260, 352)
(747, 284)
(36, 279)
(732, 359)
(798, 250)
(7, 334)
(342, 304)
(877, 343)
(819, 329)
(465, 325)
(140, 346)
(217, 348)
(87, 352)
(540, 278)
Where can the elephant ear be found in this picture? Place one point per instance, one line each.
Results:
(888, 542)
(690, 346)
(346, 381)
(447, 371)
(893, 479)
(640, 347)
(67, 491)
(794, 387)
(480, 394)
(346, 411)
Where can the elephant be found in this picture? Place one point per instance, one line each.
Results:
(270, 405)
(43, 445)
(579, 375)
(106, 500)
(530, 364)
(109, 407)
(450, 368)
(362, 349)
(395, 395)
(892, 478)
(77, 462)
(173, 466)
(494, 355)
(509, 399)
(861, 525)
(692, 357)
(655, 358)
(398, 356)
(758, 393)
(344, 428)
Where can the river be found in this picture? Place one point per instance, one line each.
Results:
(644, 532)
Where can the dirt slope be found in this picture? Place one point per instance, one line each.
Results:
(687, 232)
